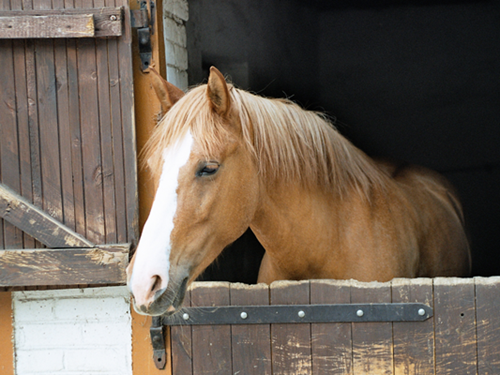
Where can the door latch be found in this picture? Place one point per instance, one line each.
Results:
(143, 20)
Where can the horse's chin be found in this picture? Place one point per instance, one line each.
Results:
(167, 301)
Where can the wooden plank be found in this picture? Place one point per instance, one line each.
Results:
(332, 342)
(90, 137)
(64, 267)
(108, 183)
(488, 324)
(37, 222)
(63, 117)
(117, 146)
(291, 343)
(181, 344)
(108, 21)
(128, 126)
(9, 141)
(455, 329)
(33, 124)
(55, 26)
(20, 76)
(211, 344)
(251, 344)
(372, 342)
(75, 137)
(413, 341)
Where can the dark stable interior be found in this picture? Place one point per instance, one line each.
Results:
(417, 81)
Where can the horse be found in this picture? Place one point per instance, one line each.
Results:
(225, 160)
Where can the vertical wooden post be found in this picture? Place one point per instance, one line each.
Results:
(6, 345)
(147, 108)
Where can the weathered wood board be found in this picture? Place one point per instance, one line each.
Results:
(36, 222)
(462, 337)
(69, 267)
(61, 23)
(52, 26)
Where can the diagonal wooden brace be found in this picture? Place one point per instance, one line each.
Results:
(37, 223)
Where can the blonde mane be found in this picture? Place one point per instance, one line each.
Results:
(288, 143)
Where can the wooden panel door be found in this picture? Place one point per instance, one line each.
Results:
(462, 336)
(67, 140)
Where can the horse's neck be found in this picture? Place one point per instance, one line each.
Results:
(291, 222)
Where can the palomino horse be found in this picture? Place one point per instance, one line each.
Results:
(226, 160)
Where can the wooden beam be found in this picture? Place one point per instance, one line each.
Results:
(101, 265)
(53, 26)
(36, 222)
(108, 22)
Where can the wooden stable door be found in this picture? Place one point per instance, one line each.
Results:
(458, 332)
(67, 147)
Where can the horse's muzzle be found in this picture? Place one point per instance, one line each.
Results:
(166, 301)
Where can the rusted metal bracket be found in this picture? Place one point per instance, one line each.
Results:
(356, 313)
(158, 342)
(143, 20)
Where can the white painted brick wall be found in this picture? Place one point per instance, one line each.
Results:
(175, 15)
(73, 332)
(176, 8)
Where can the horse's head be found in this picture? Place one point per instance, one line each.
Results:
(206, 197)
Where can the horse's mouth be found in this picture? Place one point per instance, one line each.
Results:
(167, 300)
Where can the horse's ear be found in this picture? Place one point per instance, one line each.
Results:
(218, 92)
(167, 93)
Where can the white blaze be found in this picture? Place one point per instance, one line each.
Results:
(153, 253)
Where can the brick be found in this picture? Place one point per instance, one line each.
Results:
(72, 293)
(176, 55)
(174, 32)
(104, 334)
(39, 361)
(177, 77)
(92, 309)
(27, 309)
(102, 360)
(178, 8)
(46, 336)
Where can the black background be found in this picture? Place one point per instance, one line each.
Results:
(416, 81)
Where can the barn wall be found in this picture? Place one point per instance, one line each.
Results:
(73, 331)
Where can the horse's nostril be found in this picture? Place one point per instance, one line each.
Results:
(156, 284)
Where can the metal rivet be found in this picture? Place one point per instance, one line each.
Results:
(244, 315)
(185, 316)
(421, 312)
(360, 313)
(301, 314)
(113, 17)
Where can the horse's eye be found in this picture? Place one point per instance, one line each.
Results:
(208, 169)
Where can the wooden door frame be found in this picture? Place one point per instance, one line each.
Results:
(147, 108)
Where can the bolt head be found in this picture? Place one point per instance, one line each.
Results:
(421, 312)
(360, 313)
(185, 316)
(244, 315)
(301, 314)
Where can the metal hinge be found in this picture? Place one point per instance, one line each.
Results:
(158, 342)
(143, 20)
(338, 313)
(333, 313)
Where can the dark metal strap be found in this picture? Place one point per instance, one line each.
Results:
(371, 312)
(158, 342)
